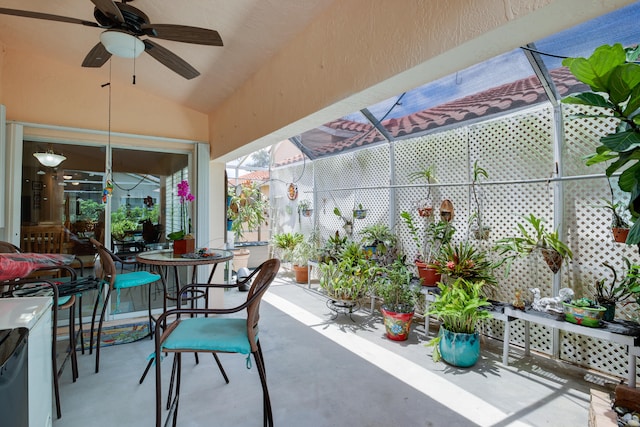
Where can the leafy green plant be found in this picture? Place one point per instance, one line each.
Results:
(466, 261)
(286, 243)
(394, 284)
(459, 307)
(481, 232)
(553, 249)
(614, 291)
(349, 277)
(304, 205)
(247, 209)
(378, 235)
(435, 236)
(304, 251)
(614, 80)
(617, 218)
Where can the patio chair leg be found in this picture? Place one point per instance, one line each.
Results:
(146, 371)
(104, 309)
(224, 374)
(173, 377)
(177, 402)
(79, 298)
(93, 318)
(266, 402)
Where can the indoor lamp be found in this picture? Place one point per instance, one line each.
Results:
(49, 158)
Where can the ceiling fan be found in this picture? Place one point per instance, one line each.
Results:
(124, 25)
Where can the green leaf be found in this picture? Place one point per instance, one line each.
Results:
(595, 158)
(634, 234)
(595, 70)
(621, 82)
(621, 141)
(629, 180)
(634, 102)
(588, 98)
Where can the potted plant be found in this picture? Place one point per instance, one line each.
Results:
(608, 294)
(554, 251)
(614, 78)
(285, 243)
(359, 212)
(584, 311)
(619, 225)
(349, 278)
(300, 256)
(183, 240)
(377, 239)
(247, 211)
(395, 285)
(425, 206)
(477, 228)
(428, 246)
(464, 260)
(459, 307)
(304, 208)
(332, 248)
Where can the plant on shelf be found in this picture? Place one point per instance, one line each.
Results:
(477, 228)
(348, 278)
(608, 294)
(554, 250)
(333, 247)
(613, 75)
(247, 208)
(286, 244)
(425, 206)
(464, 260)
(399, 292)
(459, 306)
(378, 240)
(304, 208)
(183, 240)
(584, 311)
(428, 244)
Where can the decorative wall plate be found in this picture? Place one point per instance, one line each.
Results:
(292, 191)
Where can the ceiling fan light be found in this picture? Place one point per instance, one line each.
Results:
(49, 158)
(122, 44)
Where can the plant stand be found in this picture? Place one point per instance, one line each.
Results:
(343, 307)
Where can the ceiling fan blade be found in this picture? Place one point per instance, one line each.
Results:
(182, 33)
(109, 8)
(46, 16)
(170, 60)
(96, 57)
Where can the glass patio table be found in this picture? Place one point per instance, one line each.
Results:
(166, 258)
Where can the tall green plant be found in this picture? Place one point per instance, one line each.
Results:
(615, 87)
(247, 209)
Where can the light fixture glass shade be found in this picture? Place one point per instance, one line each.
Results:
(122, 44)
(49, 159)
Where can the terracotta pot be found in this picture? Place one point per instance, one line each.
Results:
(184, 246)
(302, 273)
(240, 259)
(620, 234)
(429, 276)
(397, 325)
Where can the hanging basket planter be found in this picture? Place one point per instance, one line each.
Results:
(620, 234)
(306, 212)
(446, 210)
(359, 213)
(552, 258)
(425, 208)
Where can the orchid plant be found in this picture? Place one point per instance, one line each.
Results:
(184, 193)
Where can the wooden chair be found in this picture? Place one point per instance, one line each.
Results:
(44, 239)
(214, 335)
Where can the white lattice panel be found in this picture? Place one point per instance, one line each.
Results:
(513, 150)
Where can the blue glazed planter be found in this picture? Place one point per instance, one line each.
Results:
(458, 349)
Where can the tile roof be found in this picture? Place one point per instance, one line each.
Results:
(341, 135)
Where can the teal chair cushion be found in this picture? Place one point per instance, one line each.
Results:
(64, 300)
(210, 334)
(136, 278)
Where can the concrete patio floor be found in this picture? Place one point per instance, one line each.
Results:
(324, 372)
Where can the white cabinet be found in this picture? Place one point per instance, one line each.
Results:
(34, 313)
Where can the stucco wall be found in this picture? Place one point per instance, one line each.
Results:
(363, 51)
(38, 90)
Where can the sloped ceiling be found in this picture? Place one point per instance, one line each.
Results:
(252, 31)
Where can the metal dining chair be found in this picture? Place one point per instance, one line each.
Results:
(116, 281)
(219, 334)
